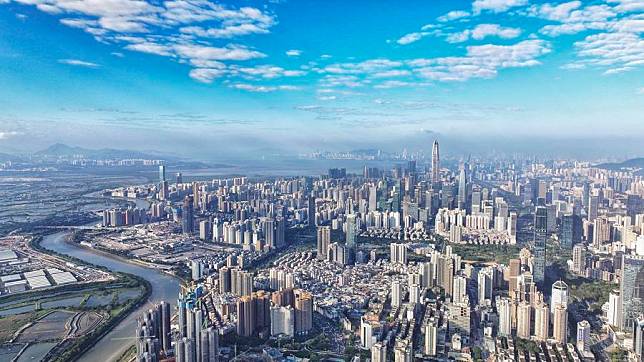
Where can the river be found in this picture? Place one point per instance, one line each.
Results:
(164, 287)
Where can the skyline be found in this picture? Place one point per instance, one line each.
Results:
(238, 78)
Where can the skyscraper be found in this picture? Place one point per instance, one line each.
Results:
(324, 241)
(431, 338)
(560, 324)
(351, 231)
(559, 295)
(524, 313)
(541, 322)
(187, 215)
(435, 164)
(161, 173)
(396, 294)
(583, 335)
(462, 187)
(632, 290)
(539, 245)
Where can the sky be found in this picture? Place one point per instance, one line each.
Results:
(210, 79)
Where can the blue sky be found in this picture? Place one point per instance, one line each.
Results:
(251, 77)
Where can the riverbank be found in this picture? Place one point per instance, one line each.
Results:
(112, 342)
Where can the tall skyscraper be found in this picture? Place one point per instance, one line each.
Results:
(579, 259)
(462, 187)
(396, 294)
(524, 314)
(351, 231)
(583, 336)
(431, 338)
(379, 352)
(436, 176)
(559, 295)
(324, 241)
(541, 322)
(539, 245)
(303, 312)
(631, 290)
(187, 215)
(505, 316)
(560, 324)
(162, 173)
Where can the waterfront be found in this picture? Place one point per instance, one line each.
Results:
(164, 287)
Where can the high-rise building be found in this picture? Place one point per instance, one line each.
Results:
(524, 318)
(303, 312)
(559, 295)
(638, 338)
(187, 215)
(436, 176)
(462, 187)
(541, 322)
(324, 241)
(579, 259)
(614, 315)
(351, 231)
(505, 316)
(311, 212)
(162, 173)
(398, 253)
(379, 352)
(631, 290)
(560, 324)
(485, 286)
(431, 338)
(583, 336)
(539, 245)
(396, 294)
(245, 316)
(283, 321)
(459, 288)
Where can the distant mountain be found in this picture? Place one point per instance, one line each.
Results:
(632, 163)
(63, 150)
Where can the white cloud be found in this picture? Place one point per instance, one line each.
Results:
(482, 31)
(496, 6)
(78, 63)
(262, 88)
(410, 38)
(617, 70)
(626, 6)
(293, 53)
(392, 73)
(268, 71)
(453, 15)
(203, 52)
(394, 84)
(206, 75)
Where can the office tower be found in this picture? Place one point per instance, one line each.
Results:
(179, 178)
(338, 254)
(245, 316)
(445, 274)
(579, 259)
(583, 336)
(459, 288)
(462, 187)
(631, 290)
(638, 337)
(162, 173)
(187, 216)
(513, 276)
(512, 227)
(195, 267)
(283, 321)
(601, 232)
(204, 230)
(367, 336)
(396, 294)
(428, 275)
(379, 352)
(567, 231)
(166, 332)
(436, 176)
(373, 198)
(485, 286)
(524, 317)
(431, 338)
(269, 232)
(539, 245)
(303, 312)
(614, 314)
(398, 253)
(593, 207)
(163, 190)
(559, 295)
(225, 280)
(560, 324)
(505, 316)
(541, 322)
(311, 212)
(351, 231)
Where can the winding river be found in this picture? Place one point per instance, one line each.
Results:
(164, 287)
